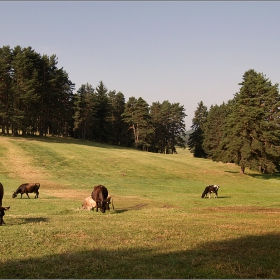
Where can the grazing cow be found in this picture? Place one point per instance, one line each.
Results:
(99, 195)
(210, 189)
(89, 203)
(2, 209)
(27, 188)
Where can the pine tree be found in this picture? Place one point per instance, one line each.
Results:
(196, 138)
(84, 112)
(117, 131)
(213, 128)
(5, 87)
(136, 115)
(252, 133)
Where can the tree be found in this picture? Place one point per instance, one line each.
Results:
(84, 112)
(5, 87)
(102, 113)
(213, 128)
(196, 138)
(136, 115)
(117, 105)
(252, 133)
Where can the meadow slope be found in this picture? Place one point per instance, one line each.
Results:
(160, 228)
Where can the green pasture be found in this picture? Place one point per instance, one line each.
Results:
(160, 227)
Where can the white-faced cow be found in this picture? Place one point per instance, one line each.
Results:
(109, 200)
(27, 188)
(99, 195)
(210, 189)
(2, 209)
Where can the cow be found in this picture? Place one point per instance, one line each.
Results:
(108, 202)
(99, 195)
(2, 209)
(27, 188)
(211, 189)
(89, 203)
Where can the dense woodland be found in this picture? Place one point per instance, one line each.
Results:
(245, 130)
(38, 98)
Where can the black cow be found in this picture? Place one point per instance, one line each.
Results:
(27, 188)
(210, 189)
(99, 195)
(2, 209)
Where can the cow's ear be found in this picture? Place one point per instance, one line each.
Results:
(6, 208)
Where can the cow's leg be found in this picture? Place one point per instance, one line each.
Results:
(27, 195)
(21, 195)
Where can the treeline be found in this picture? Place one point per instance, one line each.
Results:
(245, 130)
(38, 98)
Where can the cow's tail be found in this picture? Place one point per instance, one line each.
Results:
(112, 203)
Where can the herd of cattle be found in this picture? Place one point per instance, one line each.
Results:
(99, 197)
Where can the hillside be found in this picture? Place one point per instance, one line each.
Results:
(160, 228)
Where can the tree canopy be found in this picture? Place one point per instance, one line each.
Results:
(246, 130)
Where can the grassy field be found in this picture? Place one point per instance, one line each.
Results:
(160, 228)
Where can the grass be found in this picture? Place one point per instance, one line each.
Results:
(160, 227)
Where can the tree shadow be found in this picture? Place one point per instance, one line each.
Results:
(69, 140)
(243, 258)
(230, 171)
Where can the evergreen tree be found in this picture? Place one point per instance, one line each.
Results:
(213, 128)
(102, 114)
(5, 87)
(117, 105)
(196, 138)
(252, 134)
(84, 112)
(136, 115)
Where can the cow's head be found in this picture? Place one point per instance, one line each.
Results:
(216, 187)
(103, 206)
(2, 214)
(14, 195)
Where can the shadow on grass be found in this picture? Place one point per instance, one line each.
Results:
(275, 176)
(247, 257)
(21, 221)
(35, 220)
(68, 140)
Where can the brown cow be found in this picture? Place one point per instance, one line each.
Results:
(89, 203)
(2, 209)
(99, 195)
(27, 188)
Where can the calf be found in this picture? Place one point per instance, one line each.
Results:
(99, 195)
(27, 188)
(211, 189)
(89, 203)
(2, 209)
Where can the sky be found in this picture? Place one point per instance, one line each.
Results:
(181, 51)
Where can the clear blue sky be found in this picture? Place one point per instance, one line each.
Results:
(185, 51)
